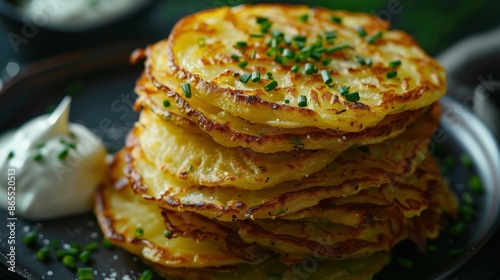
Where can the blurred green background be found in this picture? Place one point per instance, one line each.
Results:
(435, 24)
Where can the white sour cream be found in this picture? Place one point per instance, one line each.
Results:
(76, 13)
(57, 166)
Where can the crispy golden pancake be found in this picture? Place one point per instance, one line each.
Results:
(192, 156)
(405, 198)
(353, 171)
(232, 131)
(196, 242)
(228, 49)
(120, 213)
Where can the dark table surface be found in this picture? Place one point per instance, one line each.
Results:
(155, 22)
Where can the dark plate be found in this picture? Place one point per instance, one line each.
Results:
(102, 82)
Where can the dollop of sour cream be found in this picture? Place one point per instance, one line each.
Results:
(50, 166)
(76, 13)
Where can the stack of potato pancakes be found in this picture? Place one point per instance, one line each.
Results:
(278, 141)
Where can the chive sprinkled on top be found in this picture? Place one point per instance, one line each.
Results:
(139, 232)
(146, 275)
(304, 18)
(85, 273)
(255, 76)
(336, 19)
(374, 38)
(295, 69)
(235, 57)
(352, 96)
(302, 101)
(245, 77)
(243, 64)
(475, 184)
(405, 262)
(186, 88)
(327, 78)
(361, 31)
(10, 155)
(392, 74)
(240, 44)
(271, 85)
(337, 48)
(395, 63)
(166, 103)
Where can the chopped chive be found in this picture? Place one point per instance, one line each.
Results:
(455, 252)
(241, 44)
(69, 261)
(257, 35)
(392, 74)
(255, 76)
(30, 238)
(295, 69)
(92, 246)
(260, 20)
(42, 254)
(360, 60)
(146, 275)
(316, 55)
(361, 31)
(343, 90)
(235, 57)
(72, 251)
(40, 145)
(139, 232)
(245, 77)
(368, 61)
(449, 161)
(365, 149)
(288, 53)
(85, 256)
(326, 61)
(431, 248)
(304, 18)
(299, 38)
(243, 64)
(272, 52)
(374, 38)
(303, 55)
(60, 253)
(475, 185)
(274, 42)
(107, 244)
(352, 96)
(260, 133)
(166, 103)
(265, 26)
(337, 48)
(457, 228)
(271, 85)
(166, 233)
(287, 101)
(330, 35)
(85, 273)
(336, 19)
(309, 69)
(466, 213)
(186, 88)
(277, 33)
(254, 55)
(10, 155)
(201, 42)
(54, 244)
(270, 76)
(395, 63)
(467, 198)
(327, 78)
(75, 245)
(466, 160)
(405, 262)
(280, 59)
(302, 101)
(38, 156)
(63, 154)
